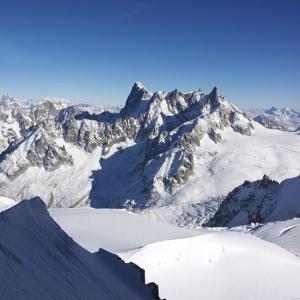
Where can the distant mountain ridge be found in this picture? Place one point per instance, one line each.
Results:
(284, 119)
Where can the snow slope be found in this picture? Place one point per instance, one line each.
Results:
(201, 264)
(6, 203)
(115, 230)
(288, 200)
(283, 233)
(223, 265)
(39, 261)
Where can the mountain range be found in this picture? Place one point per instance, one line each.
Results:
(287, 119)
(172, 155)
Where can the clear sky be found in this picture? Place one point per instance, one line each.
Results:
(93, 51)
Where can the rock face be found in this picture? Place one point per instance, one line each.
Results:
(147, 149)
(162, 133)
(48, 264)
(259, 201)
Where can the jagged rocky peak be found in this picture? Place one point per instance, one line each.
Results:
(45, 110)
(177, 101)
(214, 100)
(138, 93)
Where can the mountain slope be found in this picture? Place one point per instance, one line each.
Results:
(258, 202)
(223, 265)
(129, 235)
(39, 261)
(283, 233)
(127, 231)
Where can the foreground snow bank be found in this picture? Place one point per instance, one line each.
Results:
(39, 261)
(220, 265)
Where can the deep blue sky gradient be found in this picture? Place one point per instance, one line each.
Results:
(93, 51)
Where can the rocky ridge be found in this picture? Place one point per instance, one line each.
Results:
(258, 202)
(161, 129)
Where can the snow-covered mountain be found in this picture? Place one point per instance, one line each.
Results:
(284, 119)
(38, 260)
(258, 202)
(175, 155)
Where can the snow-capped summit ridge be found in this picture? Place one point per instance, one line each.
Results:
(160, 123)
(162, 148)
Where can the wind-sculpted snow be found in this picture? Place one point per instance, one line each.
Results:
(258, 202)
(39, 261)
(173, 155)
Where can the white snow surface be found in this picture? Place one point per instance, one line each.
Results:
(195, 264)
(6, 203)
(220, 265)
(115, 230)
(283, 233)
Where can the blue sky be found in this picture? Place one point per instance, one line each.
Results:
(93, 51)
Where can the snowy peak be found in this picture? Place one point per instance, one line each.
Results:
(213, 97)
(138, 94)
(166, 130)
